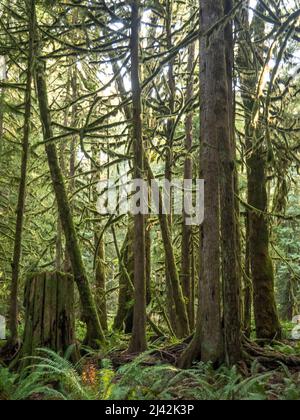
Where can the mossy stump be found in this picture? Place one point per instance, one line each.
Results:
(49, 313)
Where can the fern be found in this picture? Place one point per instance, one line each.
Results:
(53, 368)
(51, 376)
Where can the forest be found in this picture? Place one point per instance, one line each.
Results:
(149, 200)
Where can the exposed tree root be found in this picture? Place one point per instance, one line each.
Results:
(268, 358)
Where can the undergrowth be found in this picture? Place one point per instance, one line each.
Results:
(52, 377)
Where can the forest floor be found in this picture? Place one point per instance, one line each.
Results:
(114, 374)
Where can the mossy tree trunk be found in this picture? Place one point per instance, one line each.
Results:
(229, 209)
(138, 341)
(2, 94)
(94, 329)
(186, 256)
(177, 298)
(49, 313)
(100, 283)
(124, 318)
(169, 161)
(265, 310)
(180, 310)
(126, 280)
(13, 311)
(248, 288)
(61, 258)
(99, 241)
(209, 323)
(212, 342)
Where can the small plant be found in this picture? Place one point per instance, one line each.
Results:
(7, 384)
(51, 376)
(161, 382)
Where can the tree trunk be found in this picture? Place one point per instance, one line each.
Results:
(265, 311)
(186, 256)
(2, 93)
(289, 299)
(100, 281)
(49, 313)
(94, 329)
(61, 257)
(138, 340)
(217, 171)
(211, 63)
(171, 306)
(228, 181)
(100, 272)
(182, 321)
(180, 314)
(71, 170)
(248, 292)
(13, 312)
(148, 242)
(124, 311)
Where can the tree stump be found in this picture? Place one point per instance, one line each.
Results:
(49, 313)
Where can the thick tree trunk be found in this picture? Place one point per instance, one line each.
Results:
(94, 330)
(13, 312)
(138, 341)
(217, 171)
(49, 313)
(211, 63)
